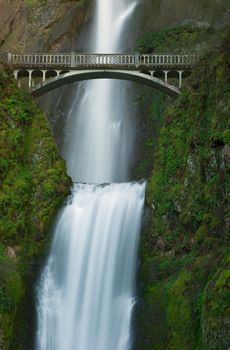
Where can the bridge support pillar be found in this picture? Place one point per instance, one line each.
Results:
(44, 76)
(180, 72)
(30, 78)
(16, 74)
(166, 75)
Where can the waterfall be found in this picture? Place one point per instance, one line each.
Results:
(98, 142)
(86, 290)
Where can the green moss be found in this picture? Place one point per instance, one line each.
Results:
(216, 308)
(33, 186)
(11, 293)
(183, 275)
(179, 313)
(188, 36)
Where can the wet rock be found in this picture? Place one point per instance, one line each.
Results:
(11, 252)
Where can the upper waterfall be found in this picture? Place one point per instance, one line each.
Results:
(99, 128)
(112, 18)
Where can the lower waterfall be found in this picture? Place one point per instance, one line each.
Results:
(86, 289)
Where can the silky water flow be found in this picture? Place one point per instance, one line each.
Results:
(85, 295)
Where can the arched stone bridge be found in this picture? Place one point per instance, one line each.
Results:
(42, 73)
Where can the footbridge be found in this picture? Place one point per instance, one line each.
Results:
(41, 73)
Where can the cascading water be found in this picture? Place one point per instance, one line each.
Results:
(99, 141)
(86, 291)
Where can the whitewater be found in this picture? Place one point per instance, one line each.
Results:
(86, 292)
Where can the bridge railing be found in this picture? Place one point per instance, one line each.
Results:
(135, 60)
(41, 59)
(103, 59)
(76, 60)
(163, 60)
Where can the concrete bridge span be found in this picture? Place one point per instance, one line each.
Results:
(76, 76)
(40, 73)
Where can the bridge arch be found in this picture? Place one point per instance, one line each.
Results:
(75, 76)
(22, 73)
(64, 72)
(51, 74)
(145, 71)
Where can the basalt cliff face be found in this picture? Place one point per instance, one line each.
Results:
(33, 186)
(184, 271)
(41, 26)
(165, 14)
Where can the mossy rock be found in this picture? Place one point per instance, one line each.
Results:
(179, 313)
(33, 186)
(183, 279)
(216, 308)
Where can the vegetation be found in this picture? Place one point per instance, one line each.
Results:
(33, 184)
(184, 274)
(187, 35)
